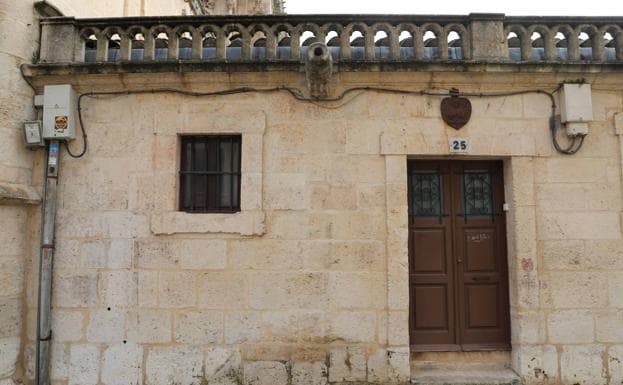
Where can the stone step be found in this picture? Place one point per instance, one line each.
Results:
(463, 376)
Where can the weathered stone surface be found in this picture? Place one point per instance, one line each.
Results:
(84, 364)
(399, 370)
(67, 325)
(203, 255)
(202, 327)
(265, 373)
(75, 289)
(571, 326)
(169, 365)
(10, 317)
(177, 289)
(9, 352)
(353, 326)
(309, 373)
(222, 290)
(536, 363)
(347, 364)
(122, 364)
(582, 364)
(150, 326)
(106, 325)
(615, 364)
(120, 289)
(223, 366)
(609, 326)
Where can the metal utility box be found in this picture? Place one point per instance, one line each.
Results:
(59, 112)
(576, 108)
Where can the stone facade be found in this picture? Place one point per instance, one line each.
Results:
(309, 284)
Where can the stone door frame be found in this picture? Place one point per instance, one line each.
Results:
(522, 253)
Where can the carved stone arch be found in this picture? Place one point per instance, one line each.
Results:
(332, 27)
(596, 38)
(416, 37)
(181, 29)
(442, 43)
(269, 38)
(525, 43)
(245, 38)
(160, 28)
(463, 35)
(617, 36)
(548, 39)
(392, 40)
(573, 47)
(305, 27)
(84, 41)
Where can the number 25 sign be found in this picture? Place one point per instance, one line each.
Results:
(459, 145)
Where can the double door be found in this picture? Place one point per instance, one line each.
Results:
(457, 256)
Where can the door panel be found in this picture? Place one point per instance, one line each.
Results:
(457, 249)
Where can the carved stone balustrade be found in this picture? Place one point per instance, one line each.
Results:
(476, 38)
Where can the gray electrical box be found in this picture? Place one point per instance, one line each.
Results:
(59, 112)
(576, 108)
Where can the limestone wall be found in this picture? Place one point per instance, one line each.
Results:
(309, 282)
(118, 8)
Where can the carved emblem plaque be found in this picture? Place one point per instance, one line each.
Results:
(456, 111)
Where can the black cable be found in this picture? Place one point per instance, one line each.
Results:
(298, 95)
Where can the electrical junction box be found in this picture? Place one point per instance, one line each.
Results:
(576, 108)
(59, 112)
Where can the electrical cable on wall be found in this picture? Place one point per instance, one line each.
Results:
(574, 146)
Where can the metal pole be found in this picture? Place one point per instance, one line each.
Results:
(44, 332)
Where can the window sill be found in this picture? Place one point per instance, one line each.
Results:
(176, 222)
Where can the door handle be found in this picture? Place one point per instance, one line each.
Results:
(481, 279)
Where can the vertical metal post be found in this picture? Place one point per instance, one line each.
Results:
(44, 332)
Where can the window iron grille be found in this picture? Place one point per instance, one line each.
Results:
(210, 174)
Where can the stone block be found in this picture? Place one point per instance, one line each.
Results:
(59, 362)
(609, 325)
(529, 328)
(536, 363)
(10, 317)
(582, 364)
(122, 364)
(11, 276)
(75, 289)
(399, 369)
(9, 353)
(177, 289)
(352, 326)
(95, 253)
(285, 192)
(265, 373)
(223, 366)
(222, 290)
(265, 254)
(330, 197)
(270, 290)
(150, 326)
(579, 225)
(174, 365)
(106, 325)
(199, 327)
(347, 364)
(120, 289)
(84, 365)
(615, 288)
(571, 326)
(570, 170)
(147, 288)
(157, 254)
(249, 222)
(67, 325)
(378, 364)
(120, 253)
(67, 253)
(579, 290)
(358, 290)
(243, 327)
(203, 254)
(615, 363)
(309, 373)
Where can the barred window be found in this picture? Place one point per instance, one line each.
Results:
(210, 174)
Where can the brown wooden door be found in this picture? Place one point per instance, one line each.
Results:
(457, 256)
